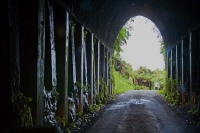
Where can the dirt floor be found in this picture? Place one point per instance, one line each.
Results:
(141, 111)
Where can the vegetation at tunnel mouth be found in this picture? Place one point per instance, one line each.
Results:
(123, 75)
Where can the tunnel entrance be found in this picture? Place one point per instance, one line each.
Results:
(140, 61)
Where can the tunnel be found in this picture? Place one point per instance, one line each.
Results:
(55, 53)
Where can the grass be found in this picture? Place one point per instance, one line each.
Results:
(122, 84)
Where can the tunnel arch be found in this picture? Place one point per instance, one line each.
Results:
(105, 18)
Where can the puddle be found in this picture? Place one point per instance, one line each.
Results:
(120, 105)
(116, 106)
(138, 101)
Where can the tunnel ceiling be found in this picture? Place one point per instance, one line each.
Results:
(174, 18)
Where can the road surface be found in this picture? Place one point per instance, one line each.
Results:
(140, 111)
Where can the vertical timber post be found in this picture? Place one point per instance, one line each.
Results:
(65, 100)
(107, 68)
(14, 45)
(177, 68)
(85, 62)
(14, 61)
(82, 63)
(111, 89)
(171, 64)
(40, 63)
(183, 75)
(52, 43)
(92, 69)
(104, 64)
(193, 43)
(190, 67)
(168, 75)
(98, 66)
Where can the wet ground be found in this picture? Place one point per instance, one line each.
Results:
(140, 111)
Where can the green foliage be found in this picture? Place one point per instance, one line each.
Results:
(85, 86)
(171, 91)
(54, 92)
(85, 34)
(78, 84)
(99, 98)
(137, 87)
(94, 41)
(162, 51)
(121, 84)
(21, 104)
(122, 36)
(62, 121)
(93, 108)
(82, 115)
(67, 127)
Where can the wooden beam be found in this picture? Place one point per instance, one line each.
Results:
(85, 62)
(171, 64)
(168, 64)
(104, 64)
(14, 44)
(52, 44)
(73, 57)
(82, 63)
(183, 74)
(191, 68)
(92, 69)
(107, 68)
(66, 87)
(40, 63)
(13, 76)
(193, 53)
(111, 88)
(98, 66)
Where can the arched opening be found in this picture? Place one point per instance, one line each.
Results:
(140, 64)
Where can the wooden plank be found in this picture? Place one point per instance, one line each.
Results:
(85, 62)
(92, 69)
(73, 57)
(14, 44)
(104, 63)
(52, 44)
(183, 74)
(82, 63)
(191, 68)
(171, 64)
(40, 63)
(98, 66)
(111, 89)
(8, 116)
(168, 68)
(107, 68)
(66, 87)
(177, 62)
(193, 52)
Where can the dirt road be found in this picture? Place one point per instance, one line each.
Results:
(140, 111)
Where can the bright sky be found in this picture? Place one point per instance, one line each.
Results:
(143, 47)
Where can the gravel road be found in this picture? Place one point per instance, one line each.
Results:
(140, 111)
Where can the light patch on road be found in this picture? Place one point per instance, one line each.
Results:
(120, 105)
(116, 106)
(138, 101)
